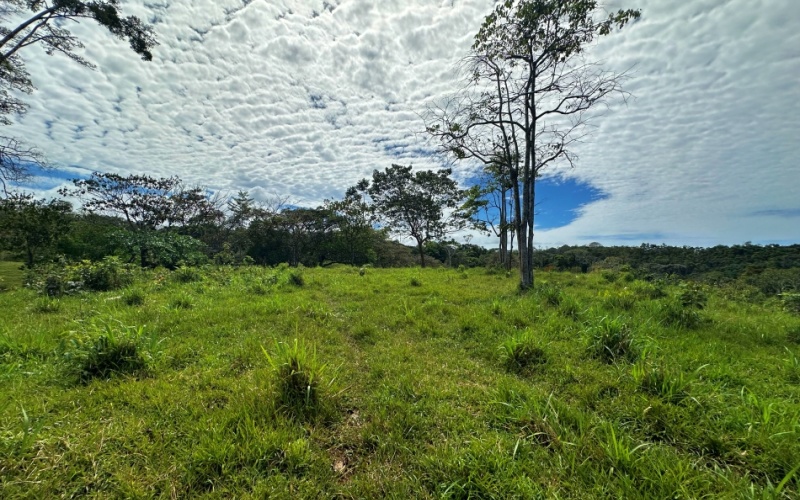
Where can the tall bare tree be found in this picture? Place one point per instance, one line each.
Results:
(528, 95)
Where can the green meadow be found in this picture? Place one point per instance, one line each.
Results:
(401, 383)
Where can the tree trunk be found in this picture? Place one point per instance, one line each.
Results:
(421, 253)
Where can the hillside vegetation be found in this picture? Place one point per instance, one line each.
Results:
(404, 383)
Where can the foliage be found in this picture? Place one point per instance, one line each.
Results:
(32, 225)
(425, 205)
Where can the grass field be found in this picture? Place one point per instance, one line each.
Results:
(11, 275)
(406, 383)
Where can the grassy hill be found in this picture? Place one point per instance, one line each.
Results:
(402, 383)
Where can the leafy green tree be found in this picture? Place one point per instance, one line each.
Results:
(32, 226)
(145, 204)
(353, 234)
(531, 88)
(424, 205)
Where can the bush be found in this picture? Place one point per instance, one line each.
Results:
(297, 376)
(522, 353)
(55, 280)
(611, 339)
(415, 282)
(107, 349)
(107, 274)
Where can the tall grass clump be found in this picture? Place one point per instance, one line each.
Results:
(296, 278)
(611, 339)
(522, 353)
(551, 294)
(569, 307)
(106, 349)
(133, 297)
(622, 300)
(187, 274)
(660, 380)
(298, 377)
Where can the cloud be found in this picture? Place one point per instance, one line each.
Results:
(303, 98)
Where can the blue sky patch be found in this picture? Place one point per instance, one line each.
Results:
(558, 201)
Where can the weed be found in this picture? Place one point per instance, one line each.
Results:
(674, 313)
(611, 339)
(133, 297)
(619, 449)
(793, 334)
(296, 278)
(415, 281)
(185, 274)
(522, 353)
(550, 293)
(662, 381)
(182, 301)
(647, 290)
(106, 349)
(46, 305)
(792, 367)
(570, 307)
(298, 376)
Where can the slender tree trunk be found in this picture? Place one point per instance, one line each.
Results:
(421, 253)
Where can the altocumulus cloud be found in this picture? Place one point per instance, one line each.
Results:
(303, 98)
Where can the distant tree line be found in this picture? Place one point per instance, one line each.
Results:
(164, 222)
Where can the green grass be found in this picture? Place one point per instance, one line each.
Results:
(11, 275)
(372, 387)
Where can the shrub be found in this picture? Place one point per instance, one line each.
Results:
(693, 296)
(611, 339)
(107, 274)
(522, 353)
(415, 282)
(106, 350)
(298, 376)
(647, 290)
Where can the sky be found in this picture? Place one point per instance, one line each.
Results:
(304, 98)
